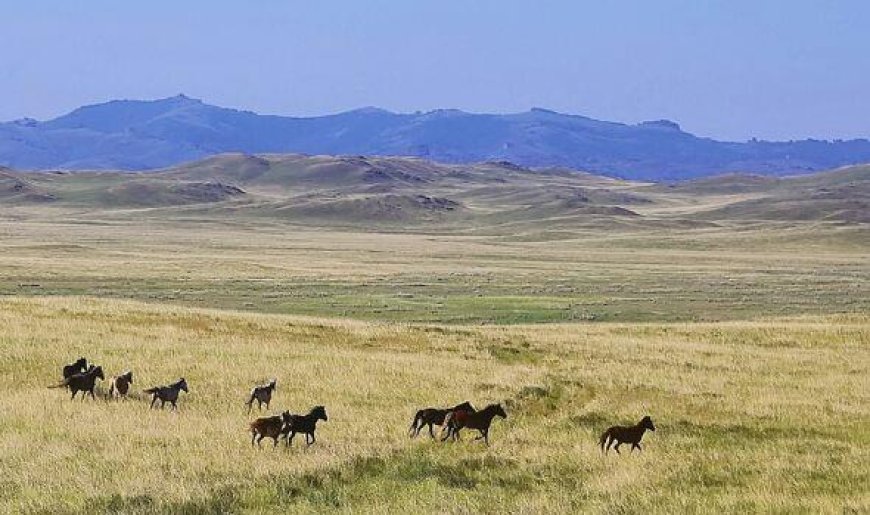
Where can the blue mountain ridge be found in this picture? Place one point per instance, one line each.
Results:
(142, 135)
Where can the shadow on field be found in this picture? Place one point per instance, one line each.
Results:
(342, 486)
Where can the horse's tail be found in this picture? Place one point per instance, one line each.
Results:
(112, 389)
(151, 390)
(250, 402)
(61, 384)
(603, 439)
(417, 417)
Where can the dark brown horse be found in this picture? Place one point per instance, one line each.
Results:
(121, 384)
(79, 365)
(479, 420)
(626, 434)
(305, 424)
(269, 427)
(82, 382)
(434, 417)
(262, 394)
(167, 393)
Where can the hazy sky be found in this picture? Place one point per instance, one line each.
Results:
(729, 69)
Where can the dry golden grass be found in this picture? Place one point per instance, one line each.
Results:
(767, 415)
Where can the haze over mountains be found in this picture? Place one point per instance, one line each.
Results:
(143, 135)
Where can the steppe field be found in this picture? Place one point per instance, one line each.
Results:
(736, 315)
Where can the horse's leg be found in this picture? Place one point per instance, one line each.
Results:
(610, 441)
(253, 437)
(74, 392)
(616, 447)
(174, 405)
(313, 439)
(290, 438)
(276, 442)
(153, 401)
(431, 430)
(639, 449)
(260, 440)
(486, 436)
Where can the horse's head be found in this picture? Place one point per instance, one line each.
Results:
(319, 412)
(498, 411)
(273, 383)
(647, 423)
(97, 371)
(128, 375)
(182, 385)
(286, 417)
(81, 363)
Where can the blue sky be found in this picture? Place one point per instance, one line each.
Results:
(729, 69)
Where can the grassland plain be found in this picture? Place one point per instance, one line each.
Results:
(733, 310)
(762, 415)
(723, 273)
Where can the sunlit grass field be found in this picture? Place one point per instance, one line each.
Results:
(771, 414)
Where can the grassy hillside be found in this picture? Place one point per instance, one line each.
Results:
(770, 415)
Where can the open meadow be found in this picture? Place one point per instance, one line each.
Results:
(736, 314)
(765, 415)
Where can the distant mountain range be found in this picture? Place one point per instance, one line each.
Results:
(142, 135)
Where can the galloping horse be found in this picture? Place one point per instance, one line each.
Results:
(305, 424)
(479, 420)
(262, 394)
(167, 393)
(434, 417)
(121, 384)
(269, 427)
(82, 382)
(79, 365)
(626, 434)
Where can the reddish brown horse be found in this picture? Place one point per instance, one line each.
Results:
(626, 434)
(479, 420)
(434, 417)
(269, 427)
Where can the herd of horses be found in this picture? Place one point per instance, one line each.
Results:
(80, 376)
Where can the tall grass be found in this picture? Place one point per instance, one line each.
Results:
(768, 415)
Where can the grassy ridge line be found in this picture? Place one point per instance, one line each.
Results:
(738, 405)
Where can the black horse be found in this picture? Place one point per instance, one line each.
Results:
(626, 434)
(305, 424)
(167, 393)
(82, 382)
(79, 365)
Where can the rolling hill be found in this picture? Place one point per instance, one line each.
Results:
(409, 193)
(140, 135)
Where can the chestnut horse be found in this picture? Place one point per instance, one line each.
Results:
(479, 420)
(434, 417)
